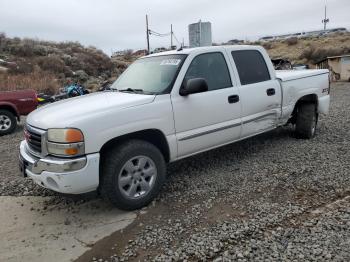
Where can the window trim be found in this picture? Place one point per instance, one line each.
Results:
(261, 55)
(214, 52)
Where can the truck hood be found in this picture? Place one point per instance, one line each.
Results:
(69, 112)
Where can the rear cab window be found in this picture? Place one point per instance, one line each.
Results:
(251, 66)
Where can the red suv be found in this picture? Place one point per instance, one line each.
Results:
(13, 104)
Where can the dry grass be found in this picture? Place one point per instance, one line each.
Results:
(310, 50)
(39, 81)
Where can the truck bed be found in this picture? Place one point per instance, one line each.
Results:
(287, 75)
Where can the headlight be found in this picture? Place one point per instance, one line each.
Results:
(65, 142)
(60, 135)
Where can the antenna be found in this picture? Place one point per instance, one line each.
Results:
(171, 36)
(147, 34)
(325, 21)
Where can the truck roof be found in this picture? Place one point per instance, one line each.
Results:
(187, 51)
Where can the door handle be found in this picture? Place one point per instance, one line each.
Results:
(270, 91)
(233, 99)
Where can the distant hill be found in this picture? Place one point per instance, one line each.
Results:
(46, 66)
(308, 50)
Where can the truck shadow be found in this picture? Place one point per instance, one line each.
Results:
(235, 152)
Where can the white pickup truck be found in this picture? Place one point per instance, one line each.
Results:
(165, 107)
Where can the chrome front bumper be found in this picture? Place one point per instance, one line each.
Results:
(69, 176)
(57, 165)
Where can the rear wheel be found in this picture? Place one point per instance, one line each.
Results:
(306, 121)
(132, 174)
(8, 122)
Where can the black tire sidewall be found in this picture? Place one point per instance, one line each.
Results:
(13, 120)
(305, 116)
(113, 163)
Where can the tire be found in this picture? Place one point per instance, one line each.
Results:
(8, 122)
(306, 121)
(131, 165)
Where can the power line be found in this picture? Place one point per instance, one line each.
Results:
(177, 39)
(150, 32)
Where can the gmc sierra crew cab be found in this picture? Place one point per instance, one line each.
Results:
(163, 108)
(13, 104)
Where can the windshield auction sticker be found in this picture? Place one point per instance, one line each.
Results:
(174, 62)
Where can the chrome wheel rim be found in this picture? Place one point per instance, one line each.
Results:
(5, 122)
(137, 177)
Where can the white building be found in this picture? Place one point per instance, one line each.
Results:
(200, 34)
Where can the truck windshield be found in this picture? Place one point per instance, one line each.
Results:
(150, 75)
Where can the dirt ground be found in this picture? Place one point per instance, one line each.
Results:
(271, 197)
(34, 230)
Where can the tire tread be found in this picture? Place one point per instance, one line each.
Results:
(111, 164)
(303, 125)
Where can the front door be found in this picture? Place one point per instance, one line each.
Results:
(209, 119)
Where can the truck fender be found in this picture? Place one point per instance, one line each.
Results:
(153, 136)
(11, 107)
(309, 98)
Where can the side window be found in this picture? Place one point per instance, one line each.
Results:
(213, 68)
(251, 66)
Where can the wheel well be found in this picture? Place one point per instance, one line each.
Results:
(10, 109)
(153, 136)
(312, 98)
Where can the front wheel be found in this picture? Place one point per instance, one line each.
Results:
(8, 122)
(306, 121)
(132, 174)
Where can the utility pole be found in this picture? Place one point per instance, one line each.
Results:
(147, 34)
(200, 32)
(325, 20)
(171, 36)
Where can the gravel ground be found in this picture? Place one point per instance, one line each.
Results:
(11, 183)
(272, 197)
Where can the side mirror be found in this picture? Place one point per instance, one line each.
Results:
(193, 86)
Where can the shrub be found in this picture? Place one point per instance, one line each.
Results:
(40, 50)
(267, 45)
(128, 54)
(51, 63)
(314, 55)
(21, 66)
(291, 41)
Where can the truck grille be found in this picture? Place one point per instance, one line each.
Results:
(33, 138)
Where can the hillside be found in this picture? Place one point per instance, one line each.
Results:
(309, 50)
(47, 66)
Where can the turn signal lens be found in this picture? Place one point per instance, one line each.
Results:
(74, 135)
(71, 151)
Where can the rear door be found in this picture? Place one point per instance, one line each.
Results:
(209, 119)
(260, 92)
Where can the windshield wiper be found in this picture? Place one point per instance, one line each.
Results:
(134, 90)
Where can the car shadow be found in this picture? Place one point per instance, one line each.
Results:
(238, 150)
